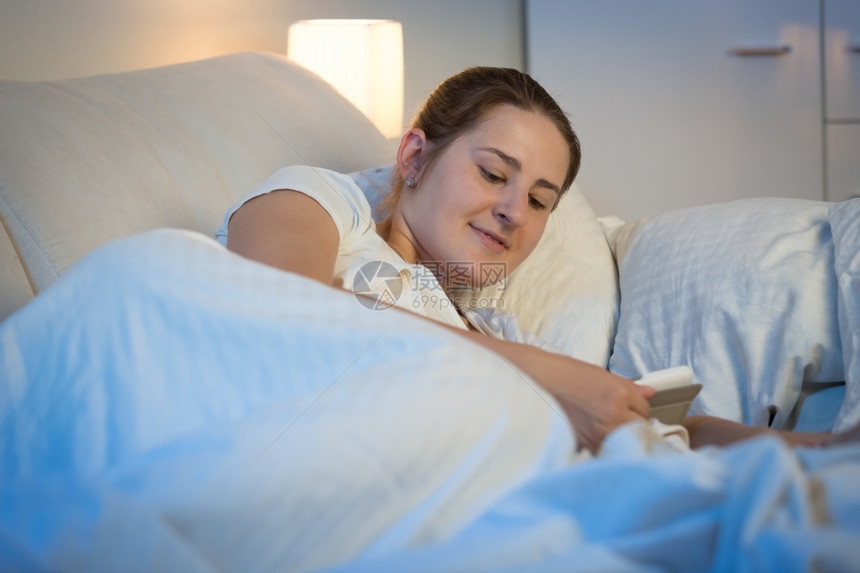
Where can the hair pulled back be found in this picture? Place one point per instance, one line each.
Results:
(460, 102)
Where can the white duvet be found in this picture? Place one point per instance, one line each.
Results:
(170, 406)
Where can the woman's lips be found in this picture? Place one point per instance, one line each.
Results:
(490, 240)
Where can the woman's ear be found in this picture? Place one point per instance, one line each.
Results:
(412, 145)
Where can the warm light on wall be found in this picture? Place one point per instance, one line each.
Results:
(363, 59)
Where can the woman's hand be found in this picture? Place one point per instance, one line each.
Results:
(595, 401)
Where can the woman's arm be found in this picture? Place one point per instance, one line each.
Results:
(291, 231)
(711, 431)
(287, 230)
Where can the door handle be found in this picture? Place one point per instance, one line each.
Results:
(755, 51)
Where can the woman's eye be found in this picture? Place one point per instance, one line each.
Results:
(491, 177)
(536, 204)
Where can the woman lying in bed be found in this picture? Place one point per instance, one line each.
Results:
(485, 161)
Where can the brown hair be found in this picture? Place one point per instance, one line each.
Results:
(459, 103)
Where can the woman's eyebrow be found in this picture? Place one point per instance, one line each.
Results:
(515, 164)
(511, 162)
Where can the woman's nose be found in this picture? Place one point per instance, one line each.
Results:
(511, 207)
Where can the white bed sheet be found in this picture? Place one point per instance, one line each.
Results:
(168, 405)
(757, 506)
(249, 414)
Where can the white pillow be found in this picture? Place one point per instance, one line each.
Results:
(743, 293)
(566, 292)
(845, 223)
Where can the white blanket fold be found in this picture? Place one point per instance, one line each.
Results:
(168, 405)
(260, 413)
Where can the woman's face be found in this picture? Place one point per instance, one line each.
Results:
(482, 207)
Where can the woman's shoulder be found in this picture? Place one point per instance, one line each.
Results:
(336, 192)
(309, 178)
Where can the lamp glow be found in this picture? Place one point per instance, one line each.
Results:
(363, 59)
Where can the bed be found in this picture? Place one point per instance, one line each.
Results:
(168, 405)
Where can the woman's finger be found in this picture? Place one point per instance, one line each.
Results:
(640, 405)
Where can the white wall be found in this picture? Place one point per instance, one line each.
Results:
(51, 39)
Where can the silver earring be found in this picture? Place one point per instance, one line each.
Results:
(410, 182)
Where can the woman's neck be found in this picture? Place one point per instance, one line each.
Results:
(392, 233)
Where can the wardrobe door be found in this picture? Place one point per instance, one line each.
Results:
(681, 102)
(842, 89)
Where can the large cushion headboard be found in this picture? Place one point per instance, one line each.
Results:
(84, 161)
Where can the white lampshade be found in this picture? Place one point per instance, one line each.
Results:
(363, 59)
